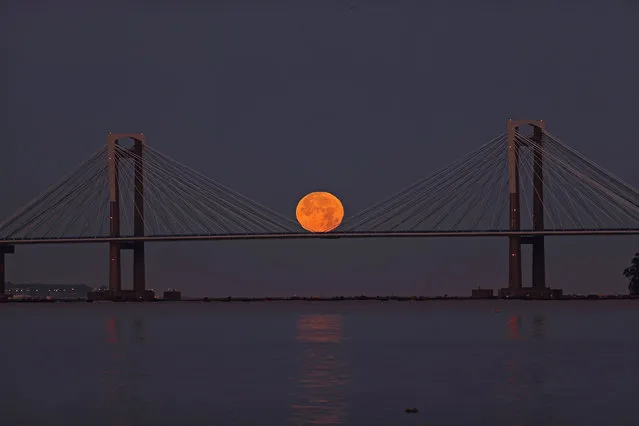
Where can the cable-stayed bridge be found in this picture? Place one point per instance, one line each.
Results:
(524, 184)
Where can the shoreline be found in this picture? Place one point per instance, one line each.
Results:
(590, 297)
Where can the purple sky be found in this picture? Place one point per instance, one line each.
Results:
(280, 98)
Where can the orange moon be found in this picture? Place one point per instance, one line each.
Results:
(319, 212)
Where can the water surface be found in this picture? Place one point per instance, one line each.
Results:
(294, 363)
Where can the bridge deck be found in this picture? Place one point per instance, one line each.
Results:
(329, 235)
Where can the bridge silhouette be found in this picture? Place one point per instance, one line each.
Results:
(524, 185)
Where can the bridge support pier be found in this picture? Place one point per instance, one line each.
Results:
(538, 242)
(4, 250)
(514, 261)
(515, 289)
(2, 277)
(115, 156)
(139, 260)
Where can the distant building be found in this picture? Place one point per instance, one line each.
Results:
(482, 293)
(172, 294)
(47, 291)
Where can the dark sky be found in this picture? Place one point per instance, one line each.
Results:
(279, 98)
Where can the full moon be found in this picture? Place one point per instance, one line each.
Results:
(319, 212)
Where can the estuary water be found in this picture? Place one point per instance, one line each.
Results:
(296, 363)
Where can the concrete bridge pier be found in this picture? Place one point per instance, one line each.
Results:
(4, 250)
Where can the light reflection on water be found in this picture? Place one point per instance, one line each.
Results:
(122, 371)
(523, 387)
(472, 364)
(112, 371)
(324, 378)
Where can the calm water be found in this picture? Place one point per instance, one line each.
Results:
(359, 363)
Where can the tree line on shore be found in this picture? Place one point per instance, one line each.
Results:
(632, 274)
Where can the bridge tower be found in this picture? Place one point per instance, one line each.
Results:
(136, 153)
(4, 250)
(537, 241)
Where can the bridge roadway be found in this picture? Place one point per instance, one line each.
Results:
(328, 235)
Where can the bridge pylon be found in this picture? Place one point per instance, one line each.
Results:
(136, 154)
(515, 145)
(4, 250)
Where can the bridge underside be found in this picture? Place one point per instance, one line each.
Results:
(129, 242)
